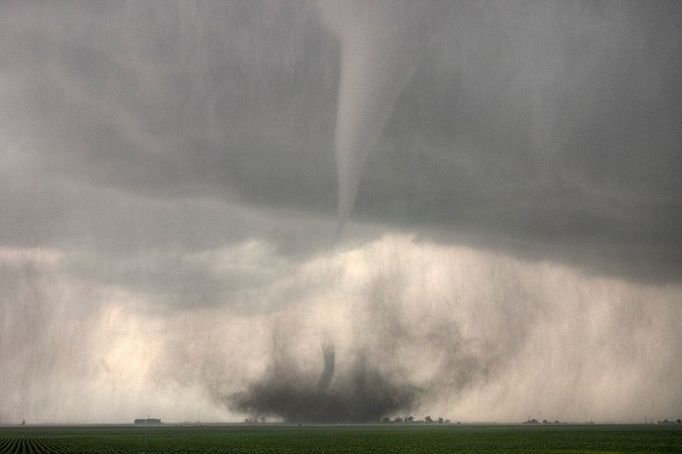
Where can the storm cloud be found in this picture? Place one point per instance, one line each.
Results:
(181, 168)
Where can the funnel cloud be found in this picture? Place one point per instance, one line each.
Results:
(379, 54)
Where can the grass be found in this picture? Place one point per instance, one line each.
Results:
(344, 439)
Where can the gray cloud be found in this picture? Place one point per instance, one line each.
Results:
(555, 124)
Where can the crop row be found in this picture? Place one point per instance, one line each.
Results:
(29, 446)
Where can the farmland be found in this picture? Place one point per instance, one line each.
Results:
(343, 439)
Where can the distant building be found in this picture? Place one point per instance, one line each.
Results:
(149, 421)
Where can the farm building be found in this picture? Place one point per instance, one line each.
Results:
(147, 421)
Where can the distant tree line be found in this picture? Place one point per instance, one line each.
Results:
(411, 420)
(665, 421)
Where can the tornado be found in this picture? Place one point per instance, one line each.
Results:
(380, 47)
(361, 394)
(328, 355)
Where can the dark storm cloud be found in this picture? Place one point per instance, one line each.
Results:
(552, 126)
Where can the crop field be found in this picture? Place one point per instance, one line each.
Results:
(343, 439)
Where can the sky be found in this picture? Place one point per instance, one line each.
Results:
(338, 211)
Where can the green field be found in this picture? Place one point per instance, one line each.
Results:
(343, 439)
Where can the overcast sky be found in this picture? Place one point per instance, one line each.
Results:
(506, 176)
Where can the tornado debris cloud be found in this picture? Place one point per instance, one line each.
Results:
(360, 395)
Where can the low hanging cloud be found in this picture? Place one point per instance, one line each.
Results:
(472, 336)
